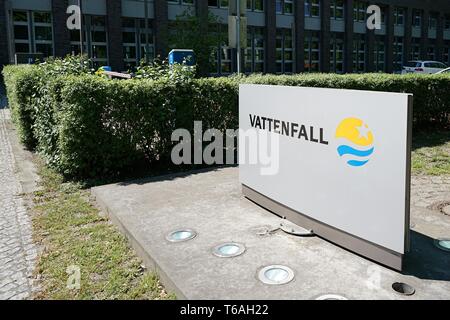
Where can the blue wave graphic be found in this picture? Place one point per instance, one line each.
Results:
(355, 163)
(344, 149)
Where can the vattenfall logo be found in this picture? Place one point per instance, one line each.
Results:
(353, 136)
(357, 141)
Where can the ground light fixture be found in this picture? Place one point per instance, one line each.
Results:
(229, 250)
(276, 275)
(292, 229)
(181, 235)
(443, 244)
(403, 288)
(331, 296)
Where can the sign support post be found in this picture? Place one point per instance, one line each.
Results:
(237, 29)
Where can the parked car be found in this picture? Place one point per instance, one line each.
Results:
(444, 71)
(425, 67)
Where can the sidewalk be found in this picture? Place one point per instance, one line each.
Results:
(210, 202)
(17, 251)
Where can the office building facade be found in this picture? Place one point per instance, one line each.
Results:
(283, 36)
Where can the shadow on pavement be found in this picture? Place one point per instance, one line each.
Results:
(425, 261)
(172, 176)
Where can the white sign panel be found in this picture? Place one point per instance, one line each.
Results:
(343, 157)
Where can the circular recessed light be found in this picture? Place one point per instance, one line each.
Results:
(181, 235)
(403, 288)
(276, 274)
(228, 250)
(443, 244)
(331, 297)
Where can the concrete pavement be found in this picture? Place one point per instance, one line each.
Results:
(211, 203)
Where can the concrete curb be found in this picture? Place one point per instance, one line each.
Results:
(149, 261)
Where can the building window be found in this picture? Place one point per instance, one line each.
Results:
(447, 22)
(33, 32)
(431, 50)
(225, 59)
(398, 53)
(433, 20)
(143, 41)
(43, 33)
(337, 52)
(383, 15)
(21, 32)
(359, 11)
(99, 42)
(221, 55)
(255, 5)
(446, 53)
(417, 18)
(399, 16)
(135, 42)
(285, 51)
(218, 3)
(254, 53)
(188, 2)
(312, 8)
(284, 6)
(379, 54)
(337, 9)
(95, 40)
(415, 49)
(359, 53)
(130, 42)
(312, 51)
(75, 40)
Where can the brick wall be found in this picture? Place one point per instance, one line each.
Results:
(348, 37)
(325, 36)
(270, 36)
(160, 27)
(299, 33)
(389, 56)
(60, 31)
(114, 26)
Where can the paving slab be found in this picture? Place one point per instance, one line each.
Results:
(211, 203)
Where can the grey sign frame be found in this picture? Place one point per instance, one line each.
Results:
(341, 238)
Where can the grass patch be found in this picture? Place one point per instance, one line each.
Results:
(72, 233)
(431, 153)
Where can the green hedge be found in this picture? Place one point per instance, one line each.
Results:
(26, 85)
(88, 126)
(431, 104)
(20, 84)
(107, 125)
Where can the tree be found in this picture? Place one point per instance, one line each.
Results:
(190, 31)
